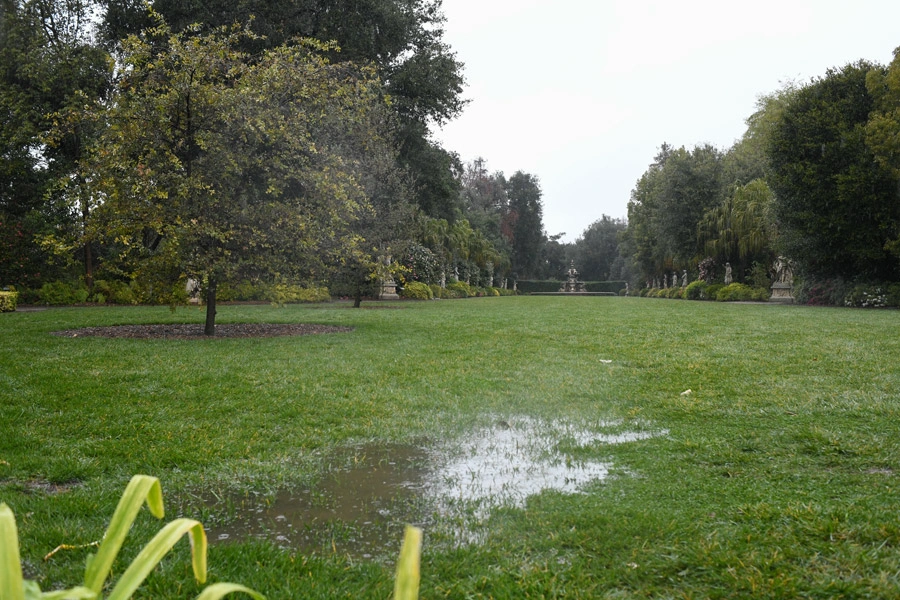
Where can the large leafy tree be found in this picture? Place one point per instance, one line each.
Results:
(49, 63)
(402, 38)
(643, 241)
(836, 206)
(668, 202)
(883, 127)
(691, 184)
(220, 167)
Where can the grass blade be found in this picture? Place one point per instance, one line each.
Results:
(10, 566)
(156, 549)
(406, 587)
(139, 489)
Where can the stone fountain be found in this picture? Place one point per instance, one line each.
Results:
(571, 285)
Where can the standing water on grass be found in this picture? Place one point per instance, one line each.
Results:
(360, 506)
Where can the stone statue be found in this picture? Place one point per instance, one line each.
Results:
(784, 281)
(728, 278)
(674, 279)
(684, 278)
(783, 272)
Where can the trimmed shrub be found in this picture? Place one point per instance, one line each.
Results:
(695, 289)
(282, 293)
(61, 293)
(739, 292)
(611, 287)
(526, 286)
(8, 301)
(460, 289)
(711, 291)
(112, 291)
(416, 290)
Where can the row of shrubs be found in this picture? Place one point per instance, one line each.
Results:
(700, 290)
(60, 293)
(416, 290)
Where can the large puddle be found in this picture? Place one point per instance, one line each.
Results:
(359, 507)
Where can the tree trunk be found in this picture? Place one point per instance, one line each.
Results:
(357, 297)
(210, 328)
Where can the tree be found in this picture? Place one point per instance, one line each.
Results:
(597, 249)
(835, 206)
(740, 230)
(219, 167)
(524, 222)
(646, 251)
(48, 65)
(485, 204)
(691, 184)
(402, 38)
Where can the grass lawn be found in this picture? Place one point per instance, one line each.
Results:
(776, 477)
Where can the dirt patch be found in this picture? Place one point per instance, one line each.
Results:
(195, 331)
(41, 486)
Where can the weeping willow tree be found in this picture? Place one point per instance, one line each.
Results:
(739, 230)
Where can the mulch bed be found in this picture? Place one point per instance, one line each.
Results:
(195, 331)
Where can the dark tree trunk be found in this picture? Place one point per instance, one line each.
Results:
(357, 298)
(88, 255)
(210, 328)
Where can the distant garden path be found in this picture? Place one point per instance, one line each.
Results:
(195, 331)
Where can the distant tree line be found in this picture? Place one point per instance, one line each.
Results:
(815, 179)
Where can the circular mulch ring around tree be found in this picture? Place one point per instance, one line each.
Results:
(195, 331)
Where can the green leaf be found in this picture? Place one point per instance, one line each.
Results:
(76, 593)
(156, 549)
(140, 488)
(10, 566)
(220, 590)
(406, 587)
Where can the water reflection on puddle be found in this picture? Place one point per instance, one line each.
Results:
(360, 507)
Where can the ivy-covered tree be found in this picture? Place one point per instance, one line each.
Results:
(221, 167)
(836, 205)
(524, 223)
(596, 251)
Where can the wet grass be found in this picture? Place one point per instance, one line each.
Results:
(778, 476)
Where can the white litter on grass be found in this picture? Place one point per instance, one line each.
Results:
(605, 361)
(687, 392)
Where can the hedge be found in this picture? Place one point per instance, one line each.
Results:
(530, 286)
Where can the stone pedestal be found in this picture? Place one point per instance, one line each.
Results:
(389, 289)
(781, 292)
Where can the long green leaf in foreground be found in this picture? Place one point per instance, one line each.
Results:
(156, 549)
(140, 488)
(10, 567)
(220, 590)
(406, 586)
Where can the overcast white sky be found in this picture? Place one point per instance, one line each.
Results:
(581, 93)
